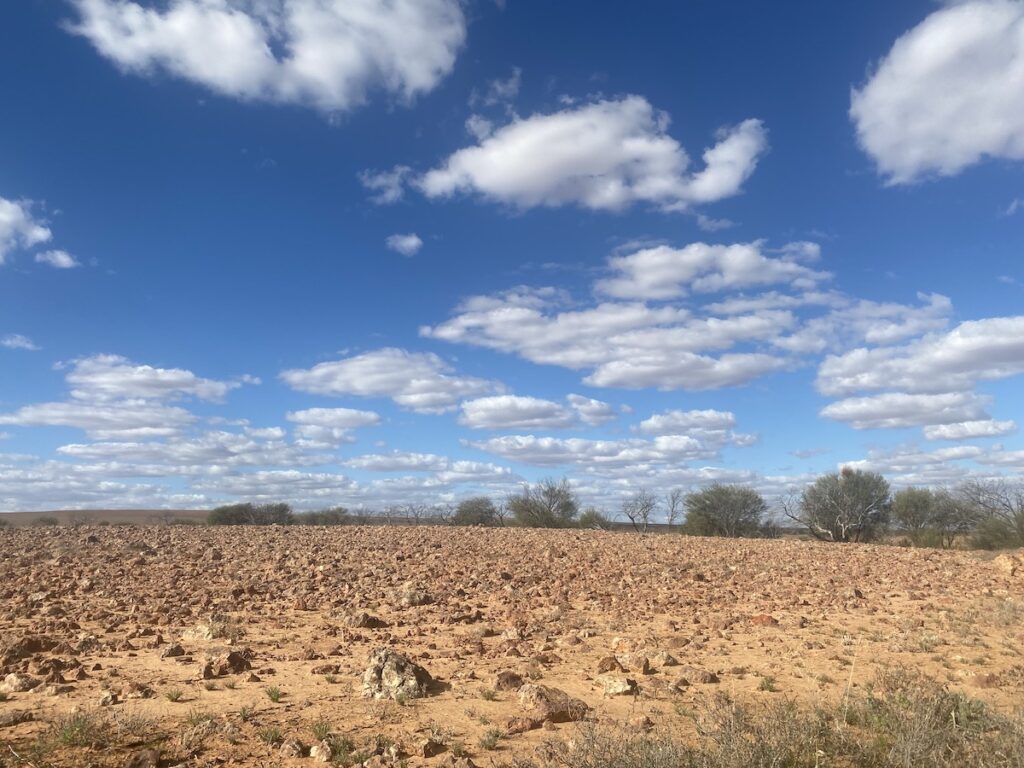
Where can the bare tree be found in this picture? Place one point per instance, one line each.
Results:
(674, 501)
(639, 508)
(999, 508)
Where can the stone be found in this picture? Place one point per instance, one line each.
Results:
(508, 681)
(619, 686)
(609, 664)
(146, 758)
(322, 752)
(390, 675)
(18, 683)
(548, 703)
(365, 621)
(292, 748)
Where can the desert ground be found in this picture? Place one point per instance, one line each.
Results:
(250, 646)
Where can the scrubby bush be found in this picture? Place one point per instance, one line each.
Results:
(4, 523)
(933, 518)
(45, 521)
(998, 509)
(478, 510)
(724, 510)
(852, 505)
(331, 516)
(251, 514)
(904, 721)
(548, 504)
(593, 519)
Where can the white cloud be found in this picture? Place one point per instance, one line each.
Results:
(326, 54)
(421, 382)
(679, 422)
(399, 461)
(205, 454)
(605, 155)
(892, 410)
(330, 426)
(17, 341)
(662, 272)
(57, 259)
(387, 186)
(977, 350)
(596, 455)
(103, 378)
(514, 412)
(967, 430)
(19, 228)
(407, 245)
(948, 94)
(123, 419)
(591, 412)
(623, 344)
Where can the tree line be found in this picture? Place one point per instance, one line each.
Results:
(847, 506)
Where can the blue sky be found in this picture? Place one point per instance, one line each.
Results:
(371, 253)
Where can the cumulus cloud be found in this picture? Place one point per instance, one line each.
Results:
(17, 341)
(591, 412)
(976, 350)
(19, 228)
(679, 422)
(662, 272)
(421, 382)
(514, 412)
(57, 259)
(949, 93)
(327, 427)
(605, 155)
(326, 54)
(123, 419)
(407, 245)
(595, 455)
(207, 453)
(893, 410)
(624, 344)
(103, 378)
(966, 430)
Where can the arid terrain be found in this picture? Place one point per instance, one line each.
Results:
(180, 639)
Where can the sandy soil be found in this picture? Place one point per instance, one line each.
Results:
(684, 618)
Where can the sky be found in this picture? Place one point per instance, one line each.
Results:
(379, 252)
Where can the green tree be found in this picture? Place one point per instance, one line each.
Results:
(849, 506)
(478, 510)
(548, 504)
(251, 514)
(724, 510)
(593, 519)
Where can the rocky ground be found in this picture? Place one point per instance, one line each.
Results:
(451, 647)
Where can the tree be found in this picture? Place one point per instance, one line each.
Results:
(251, 514)
(913, 510)
(638, 509)
(999, 511)
(933, 518)
(674, 501)
(593, 519)
(724, 510)
(331, 516)
(849, 506)
(548, 504)
(478, 510)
